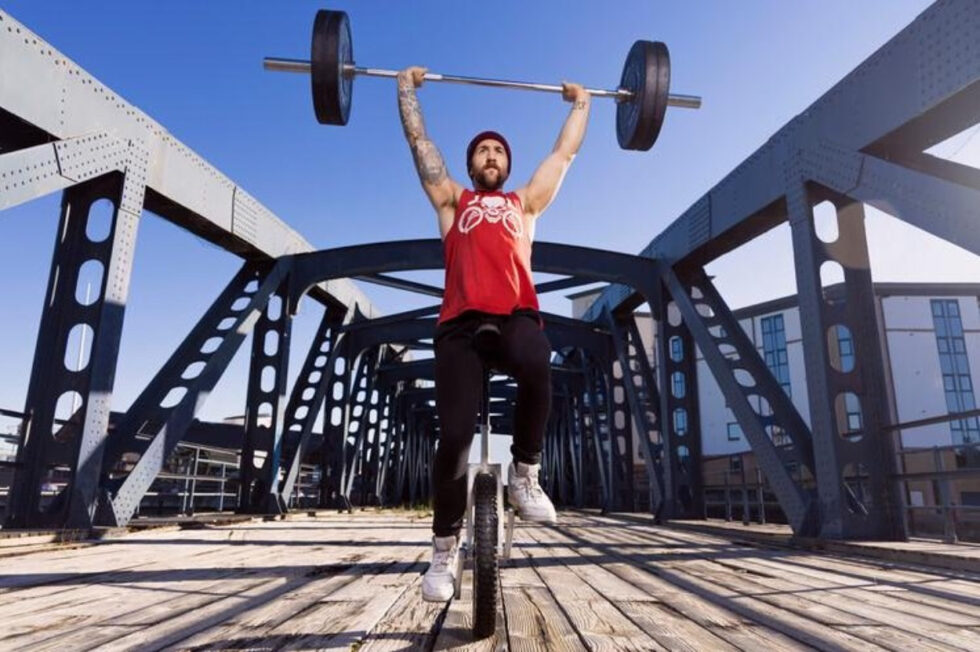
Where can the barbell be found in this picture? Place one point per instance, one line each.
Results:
(642, 96)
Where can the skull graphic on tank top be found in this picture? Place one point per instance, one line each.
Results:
(492, 209)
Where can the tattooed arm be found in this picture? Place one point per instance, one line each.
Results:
(442, 191)
(544, 184)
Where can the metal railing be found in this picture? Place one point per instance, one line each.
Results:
(195, 478)
(939, 486)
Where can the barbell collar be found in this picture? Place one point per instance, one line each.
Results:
(620, 95)
(286, 65)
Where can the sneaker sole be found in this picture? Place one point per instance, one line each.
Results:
(429, 598)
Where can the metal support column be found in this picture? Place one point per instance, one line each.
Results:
(357, 423)
(258, 490)
(680, 413)
(159, 417)
(755, 398)
(621, 438)
(334, 425)
(77, 349)
(848, 403)
(306, 399)
(644, 402)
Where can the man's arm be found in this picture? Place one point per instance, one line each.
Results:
(544, 184)
(441, 190)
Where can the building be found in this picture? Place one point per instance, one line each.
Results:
(931, 341)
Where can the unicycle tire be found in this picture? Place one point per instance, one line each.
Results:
(485, 570)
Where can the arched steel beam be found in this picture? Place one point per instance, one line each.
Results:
(375, 258)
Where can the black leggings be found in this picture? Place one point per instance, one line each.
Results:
(525, 354)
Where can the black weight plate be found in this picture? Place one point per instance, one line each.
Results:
(330, 52)
(647, 74)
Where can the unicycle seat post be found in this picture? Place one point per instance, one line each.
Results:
(485, 420)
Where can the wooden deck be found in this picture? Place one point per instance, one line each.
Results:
(352, 582)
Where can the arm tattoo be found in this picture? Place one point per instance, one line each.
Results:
(429, 163)
(411, 113)
(428, 160)
(579, 104)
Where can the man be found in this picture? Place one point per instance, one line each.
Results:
(487, 235)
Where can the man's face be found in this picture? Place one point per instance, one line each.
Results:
(489, 166)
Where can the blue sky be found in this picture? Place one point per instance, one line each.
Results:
(196, 68)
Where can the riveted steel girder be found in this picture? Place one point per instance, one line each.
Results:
(845, 459)
(167, 406)
(703, 311)
(79, 386)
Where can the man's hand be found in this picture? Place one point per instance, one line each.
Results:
(415, 75)
(576, 94)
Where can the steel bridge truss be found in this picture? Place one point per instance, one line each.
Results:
(865, 141)
(625, 430)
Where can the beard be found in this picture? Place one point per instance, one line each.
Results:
(487, 181)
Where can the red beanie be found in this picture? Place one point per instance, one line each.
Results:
(483, 135)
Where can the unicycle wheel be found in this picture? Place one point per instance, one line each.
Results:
(485, 555)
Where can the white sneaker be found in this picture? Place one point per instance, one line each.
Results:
(439, 582)
(526, 495)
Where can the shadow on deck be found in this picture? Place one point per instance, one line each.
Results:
(339, 581)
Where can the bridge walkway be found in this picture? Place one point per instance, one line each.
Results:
(351, 581)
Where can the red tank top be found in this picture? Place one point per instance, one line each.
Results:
(488, 256)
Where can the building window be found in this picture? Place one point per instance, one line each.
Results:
(852, 406)
(955, 368)
(676, 349)
(677, 383)
(734, 431)
(845, 346)
(774, 350)
(735, 463)
(680, 421)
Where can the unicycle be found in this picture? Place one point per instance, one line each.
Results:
(484, 506)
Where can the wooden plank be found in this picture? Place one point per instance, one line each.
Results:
(728, 625)
(88, 611)
(926, 553)
(121, 635)
(741, 632)
(122, 591)
(921, 625)
(342, 568)
(661, 623)
(880, 591)
(958, 583)
(843, 616)
(326, 610)
(595, 582)
(252, 624)
(373, 597)
(108, 557)
(535, 621)
(456, 632)
(597, 620)
(410, 624)
(903, 627)
(781, 619)
(956, 586)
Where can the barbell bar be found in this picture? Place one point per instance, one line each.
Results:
(642, 96)
(620, 94)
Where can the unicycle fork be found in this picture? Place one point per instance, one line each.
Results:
(484, 506)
